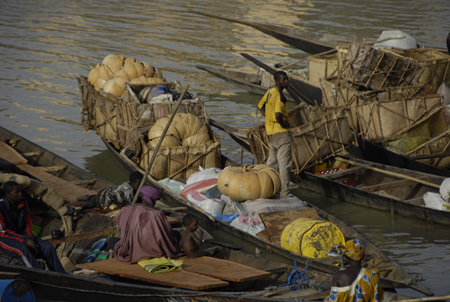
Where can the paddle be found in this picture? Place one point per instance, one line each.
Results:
(427, 183)
(295, 94)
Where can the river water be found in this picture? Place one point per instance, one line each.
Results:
(46, 44)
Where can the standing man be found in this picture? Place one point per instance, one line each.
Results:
(273, 107)
(16, 238)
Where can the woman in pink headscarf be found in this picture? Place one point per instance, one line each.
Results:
(145, 231)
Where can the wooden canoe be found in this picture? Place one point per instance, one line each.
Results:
(252, 83)
(52, 286)
(393, 276)
(365, 150)
(309, 42)
(388, 191)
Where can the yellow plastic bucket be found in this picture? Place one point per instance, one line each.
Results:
(311, 238)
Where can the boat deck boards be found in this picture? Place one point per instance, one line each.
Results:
(222, 269)
(182, 278)
(69, 191)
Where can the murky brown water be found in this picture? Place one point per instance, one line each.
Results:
(45, 45)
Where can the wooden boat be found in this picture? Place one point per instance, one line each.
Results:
(379, 186)
(393, 275)
(365, 150)
(252, 83)
(309, 42)
(52, 286)
(391, 188)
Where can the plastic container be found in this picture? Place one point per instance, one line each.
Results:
(15, 290)
(311, 238)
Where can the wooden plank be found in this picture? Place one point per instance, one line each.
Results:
(181, 278)
(222, 269)
(11, 155)
(392, 185)
(275, 222)
(79, 237)
(68, 190)
(388, 172)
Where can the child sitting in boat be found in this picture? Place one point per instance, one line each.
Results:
(189, 241)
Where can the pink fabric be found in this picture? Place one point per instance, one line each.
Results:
(199, 186)
(145, 233)
(151, 194)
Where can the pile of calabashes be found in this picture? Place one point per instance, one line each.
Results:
(116, 70)
(185, 130)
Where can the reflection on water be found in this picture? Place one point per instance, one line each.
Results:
(45, 45)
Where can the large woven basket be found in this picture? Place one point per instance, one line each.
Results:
(436, 65)
(387, 121)
(312, 142)
(339, 92)
(377, 69)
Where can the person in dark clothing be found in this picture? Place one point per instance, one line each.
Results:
(119, 196)
(16, 238)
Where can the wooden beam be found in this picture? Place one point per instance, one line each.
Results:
(32, 154)
(392, 184)
(389, 172)
(52, 168)
(79, 237)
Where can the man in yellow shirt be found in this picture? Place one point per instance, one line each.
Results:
(273, 107)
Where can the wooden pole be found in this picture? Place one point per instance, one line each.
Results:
(426, 299)
(155, 152)
(424, 182)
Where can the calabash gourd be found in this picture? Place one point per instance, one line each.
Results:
(186, 129)
(116, 70)
(249, 182)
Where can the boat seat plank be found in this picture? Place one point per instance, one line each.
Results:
(222, 269)
(68, 190)
(392, 185)
(275, 222)
(181, 278)
(10, 154)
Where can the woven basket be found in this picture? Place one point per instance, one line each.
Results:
(312, 142)
(436, 65)
(377, 69)
(438, 145)
(339, 92)
(387, 121)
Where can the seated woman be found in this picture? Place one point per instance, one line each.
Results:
(145, 231)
